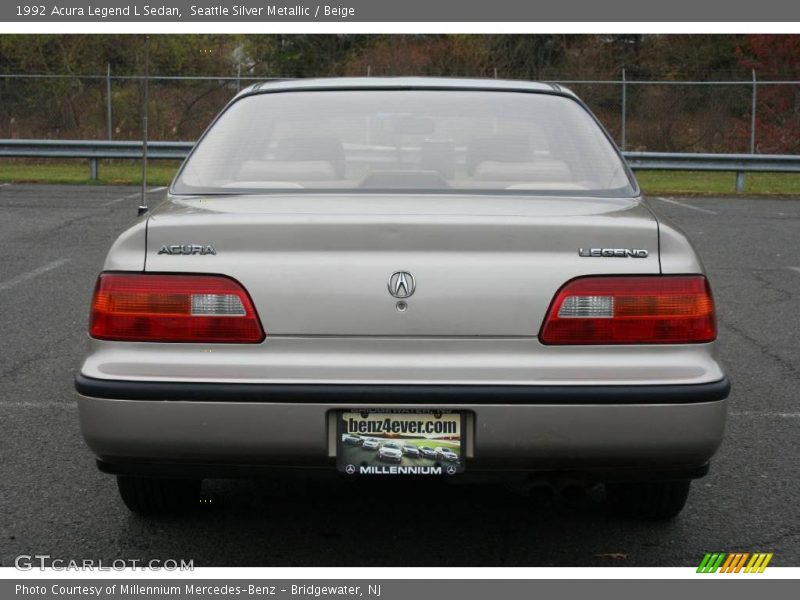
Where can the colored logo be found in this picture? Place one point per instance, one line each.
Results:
(735, 562)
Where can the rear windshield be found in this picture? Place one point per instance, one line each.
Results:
(404, 140)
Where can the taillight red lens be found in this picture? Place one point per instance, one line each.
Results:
(141, 307)
(635, 309)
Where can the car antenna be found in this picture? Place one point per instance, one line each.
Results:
(143, 201)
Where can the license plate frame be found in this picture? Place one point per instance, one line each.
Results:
(362, 436)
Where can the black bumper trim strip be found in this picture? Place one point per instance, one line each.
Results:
(189, 470)
(403, 394)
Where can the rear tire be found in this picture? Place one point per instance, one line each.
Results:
(157, 496)
(654, 500)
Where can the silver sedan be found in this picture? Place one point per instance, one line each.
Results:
(475, 246)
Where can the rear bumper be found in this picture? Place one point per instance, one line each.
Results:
(221, 428)
(348, 394)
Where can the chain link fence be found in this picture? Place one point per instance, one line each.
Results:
(735, 116)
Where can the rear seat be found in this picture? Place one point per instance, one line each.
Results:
(506, 148)
(511, 158)
(543, 170)
(281, 170)
(313, 148)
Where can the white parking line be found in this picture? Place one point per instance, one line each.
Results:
(797, 269)
(115, 200)
(31, 274)
(134, 195)
(689, 206)
(769, 415)
(37, 404)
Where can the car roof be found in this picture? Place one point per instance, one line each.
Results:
(406, 83)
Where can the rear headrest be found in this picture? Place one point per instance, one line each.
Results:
(540, 171)
(282, 170)
(498, 148)
(316, 148)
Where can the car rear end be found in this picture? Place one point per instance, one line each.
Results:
(518, 303)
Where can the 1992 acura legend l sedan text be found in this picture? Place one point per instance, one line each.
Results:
(458, 264)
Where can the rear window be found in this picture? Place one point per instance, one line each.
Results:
(405, 140)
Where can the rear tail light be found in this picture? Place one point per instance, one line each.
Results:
(173, 308)
(649, 309)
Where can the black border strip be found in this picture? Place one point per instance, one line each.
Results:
(402, 394)
(189, 470)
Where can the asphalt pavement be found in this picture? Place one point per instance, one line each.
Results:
(53, 240)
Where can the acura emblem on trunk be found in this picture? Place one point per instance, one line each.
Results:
(401, 284)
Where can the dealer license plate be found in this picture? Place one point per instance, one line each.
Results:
(400, 442)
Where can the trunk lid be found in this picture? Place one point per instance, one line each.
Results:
(322, 264)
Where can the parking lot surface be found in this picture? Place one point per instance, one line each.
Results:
(53, 500)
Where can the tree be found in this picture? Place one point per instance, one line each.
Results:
(434, 55)
(299, 55)
(774, 57)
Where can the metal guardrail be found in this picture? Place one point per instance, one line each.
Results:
(737, 163)
(658, 161)
(93, 150)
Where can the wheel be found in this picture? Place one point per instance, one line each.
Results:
(155, 496)
(657, 500)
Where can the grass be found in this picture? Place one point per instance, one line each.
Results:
(161, 172)
(710, 183)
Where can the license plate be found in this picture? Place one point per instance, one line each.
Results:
(400, 442)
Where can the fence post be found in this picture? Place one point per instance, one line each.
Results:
(108, 100)
(93, 169)
(238, 77)
(740, 180)
(624, 106)
(753, 115)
